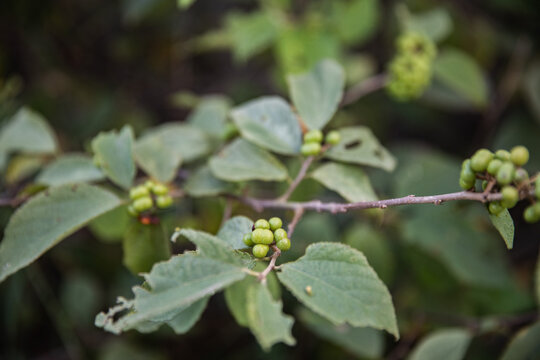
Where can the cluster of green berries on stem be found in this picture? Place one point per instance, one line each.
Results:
(313, 141)
(148, 197)
(504, 171)
(266, 233)
(410, 70)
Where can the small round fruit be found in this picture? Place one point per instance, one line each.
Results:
(467, 173)
(262, 236)
(247, 240)
(510, 196)
(260, 250)
(164, 201)
(333, 137)
(495, 208)
(494, 166)
(275, 223)
(142, 204)
(131, 211)
(138, 192)
(149, 184)
(310, 149)
(502, 155)
(313, 136)
(481, 159)
(465, 185)
(519, 155)
(531, 215)
(262, 224)
(160, 189)
(280, 234)
(506, 173)
(284, 244)
(521, 175)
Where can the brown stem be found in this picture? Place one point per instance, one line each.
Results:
(296, 218)
(301, 174)
(271, 264)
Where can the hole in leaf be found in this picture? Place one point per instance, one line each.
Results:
(353, 144)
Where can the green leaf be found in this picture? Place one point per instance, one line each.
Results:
(265, 319)
(460, 72)
(27, 132)
(270, 123)
(234, 230)
(525, 345)
(143, 246)
(349, 181)
(342, 287)
(48, 218)
(359, 146)
(435, 23)
(22, 167)
(111, 226)
(184, 4)
(113, 152)
(204, 183)
(362, 342)
(505, 226)
(70, 169)
(185, 319)
(157, 159)
(241, 161)
(316, 94)
(250, 33)
(210, 115)
(355, 21)
(448, 344)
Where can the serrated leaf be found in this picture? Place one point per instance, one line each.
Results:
(47, 219)
(349, 181)
(113, 151)
(70, 169)
(435, 23)
(266, 320)
(241, 161)
(204, 183)
(316, 94)
(143, 246)
(210, 115)
(359, 146)
(460, 72)
(270, 123)
(362, 342)
(342, 287)
(185, 319)
(505, 226)
(234, 229)
(27, 132)
(356, 20)
(157, 159)
(250, 33)
(448, 344)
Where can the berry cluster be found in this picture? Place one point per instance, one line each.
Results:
(144, 197)
(313, 139)
(502, 171)
(266, 233)
(410, 70)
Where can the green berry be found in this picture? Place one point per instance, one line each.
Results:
(519, 155)
(532, 213)
(275, 223)
(495, 208)
(149, 184)
(310, 149)
(313, 136)
(333, 137)
(465, 185)
(510, 196)
(142, 204)
(537, 187)
(521, 175)
(260, 250)
(416, 44)
(131, 211)
(467, 174)
(502, 155)
(247, 240)
(481, 159)
(164, 201)
(138, 192)
(262, 236)
(280, 234)
(262, 224)
(284, 244)
(506, 173)
(494, 166)
(230, 131)
(160, 189)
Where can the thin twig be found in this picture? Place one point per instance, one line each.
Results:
(227, 211)
(299, 177)
(296, 218)
(271, 264)
(363, 88)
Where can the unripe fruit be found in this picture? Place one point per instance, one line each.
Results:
(502, 155)
(280, 234)
(521, 175)
(262, 236)
(230, 131)
(260, 250)
(333, 138)
(506, 173)
(532, 213)
(495, 208)
(313, 136)
(467, 174)
(160, 189)
(465, 185)
(149, 184)
(247, 240)
(284, 244)
(481, 159)
(310, 149)
(138, 192)
(510, 196)
(262, 224)
(164, 201)
(131, 211)
(275, 223)
(142, 204)
(519, 155)
(494, 166)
